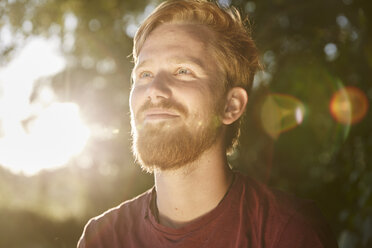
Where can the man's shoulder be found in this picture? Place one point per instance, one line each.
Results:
(278, 207)
(286, 217)
(104, 229)
(128, 210)
(260, 195)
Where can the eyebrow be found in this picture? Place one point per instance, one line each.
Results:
(174, 60)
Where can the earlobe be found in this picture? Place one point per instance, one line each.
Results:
(236, 101)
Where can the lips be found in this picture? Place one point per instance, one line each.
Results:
(159, 114)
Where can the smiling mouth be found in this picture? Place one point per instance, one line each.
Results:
(158, 115)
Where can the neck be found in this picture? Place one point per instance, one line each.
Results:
(192, 191)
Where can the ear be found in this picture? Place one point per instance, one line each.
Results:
(236, 100)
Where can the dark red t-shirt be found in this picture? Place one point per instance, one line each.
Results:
(250, 215)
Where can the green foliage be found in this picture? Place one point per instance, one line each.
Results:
(320, 159)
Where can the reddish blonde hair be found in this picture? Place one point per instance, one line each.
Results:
(235, 51)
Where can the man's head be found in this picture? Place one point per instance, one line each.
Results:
(226, 43)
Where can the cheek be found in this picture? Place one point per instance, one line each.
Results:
(202, 104)
(135, 99)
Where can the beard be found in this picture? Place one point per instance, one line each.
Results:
(171, 144)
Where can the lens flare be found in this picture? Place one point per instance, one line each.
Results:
(49, 141)
(348, 105)
(318, 132)
(280, 113)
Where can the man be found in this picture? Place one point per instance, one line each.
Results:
(194, 64)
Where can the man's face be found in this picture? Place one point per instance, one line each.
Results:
(176, 97)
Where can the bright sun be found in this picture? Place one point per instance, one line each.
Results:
(51, 135)
(49, 141)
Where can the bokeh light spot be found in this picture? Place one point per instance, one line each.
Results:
(331, 51)
(342, 21)
(280, 113)
(348, 105)
(250, 7)
(94, 25)
(27, 26)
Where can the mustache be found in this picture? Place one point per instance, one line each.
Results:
(164, 104)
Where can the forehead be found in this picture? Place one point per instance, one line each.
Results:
(177, 40)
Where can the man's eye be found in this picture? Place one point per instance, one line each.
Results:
(183, 71)
(145, 74)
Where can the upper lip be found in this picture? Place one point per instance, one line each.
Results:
(159, 111)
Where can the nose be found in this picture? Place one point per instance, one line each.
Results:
(159, 88)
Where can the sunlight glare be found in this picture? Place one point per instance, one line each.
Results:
(48, 137)
(48, 141)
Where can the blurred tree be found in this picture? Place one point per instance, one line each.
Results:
(310, 50)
